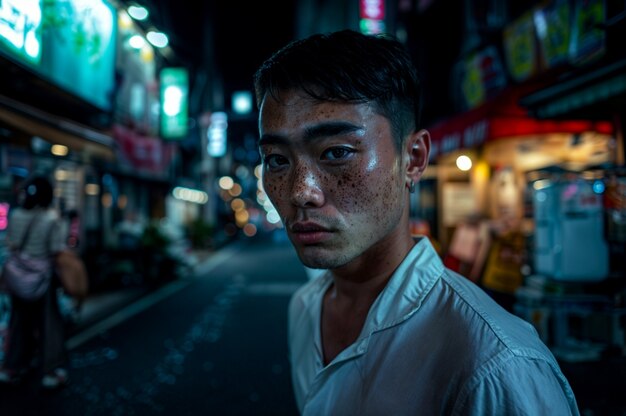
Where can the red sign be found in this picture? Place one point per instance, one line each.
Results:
(141, 153)
(497, 119)
(372, 9)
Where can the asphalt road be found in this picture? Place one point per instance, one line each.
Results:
(214, 344)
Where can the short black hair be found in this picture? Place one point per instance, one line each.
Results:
(351, 67)
(38, 192)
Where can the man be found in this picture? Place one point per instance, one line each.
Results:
(388, 330)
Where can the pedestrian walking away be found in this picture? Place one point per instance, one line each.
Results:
(36, 328)
(387, 329)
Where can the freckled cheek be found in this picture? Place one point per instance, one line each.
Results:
(275, 188)
(353, 196)
(372, 196)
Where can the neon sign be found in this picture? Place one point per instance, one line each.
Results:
(4, 216)
(372, 13)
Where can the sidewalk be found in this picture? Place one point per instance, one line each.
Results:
(105, 309)
(98, 306)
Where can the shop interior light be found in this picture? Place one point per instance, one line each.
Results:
(464, 163)
(237, 204)
(60, 175)
(122, 201)
(226, 182)
(235, 190)
(190, 195)
(107, 200)
(261, 197)
(249, 230)
(92, 189)
(157, 39)
(267, 204)
(273, 217)
(59, 150)
(258, 171)
(136, 42)
(242, 217)
(138, 12)
(541, 183)
(242, 172)
(124, 21)
(598, 186)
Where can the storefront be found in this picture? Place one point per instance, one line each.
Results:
(138, 184)
(531, 177)
(501, 144)
(87, 117)
(68, 153)
(598, 92)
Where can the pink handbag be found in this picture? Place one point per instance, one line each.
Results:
(26, 277)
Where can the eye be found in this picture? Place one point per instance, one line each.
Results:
(337, 153)
(274, 161)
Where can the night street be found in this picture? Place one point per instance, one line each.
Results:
(212, 344)
(154, 155)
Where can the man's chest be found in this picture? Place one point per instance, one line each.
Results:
(386, 378)
(340, 328)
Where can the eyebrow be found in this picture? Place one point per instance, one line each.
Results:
(326, 129)
(331, 128)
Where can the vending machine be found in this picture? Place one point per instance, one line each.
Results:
(569, 239)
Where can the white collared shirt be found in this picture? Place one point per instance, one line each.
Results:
(433, 343)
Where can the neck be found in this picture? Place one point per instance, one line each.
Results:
(366, 276)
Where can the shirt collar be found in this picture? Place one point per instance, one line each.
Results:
(401, 297)
(406, 289)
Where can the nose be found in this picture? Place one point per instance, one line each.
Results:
(306, 189)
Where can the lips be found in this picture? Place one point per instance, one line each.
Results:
(306, 227)
(309, 233)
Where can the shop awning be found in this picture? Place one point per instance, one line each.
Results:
(594, 94)
(500, 118)
(34, 122)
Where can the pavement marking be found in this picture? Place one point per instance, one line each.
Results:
(216, 259)
(125, 313)
(147, 301)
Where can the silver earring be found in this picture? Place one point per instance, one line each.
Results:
(412, 187)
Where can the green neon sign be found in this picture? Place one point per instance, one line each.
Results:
(174, 105)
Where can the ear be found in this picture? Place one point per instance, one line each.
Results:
(417, 147)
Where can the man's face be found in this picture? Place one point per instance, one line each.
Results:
(334, 174)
